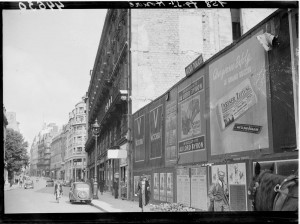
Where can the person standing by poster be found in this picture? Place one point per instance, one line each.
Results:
(143, 192)
(218, 194)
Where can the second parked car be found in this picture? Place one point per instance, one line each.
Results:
(80, 192)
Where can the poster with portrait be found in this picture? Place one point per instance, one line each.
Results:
(162, 187)
(155, 186)
(238, 93)
(237, 173)
(214, 172)
(170, 187)
(237, 186)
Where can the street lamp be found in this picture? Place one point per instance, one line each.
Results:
(95, 130)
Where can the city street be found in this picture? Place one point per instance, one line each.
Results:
(41, 200)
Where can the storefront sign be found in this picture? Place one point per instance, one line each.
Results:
(191, 68)
(116, 154)
(238, 93)
(254, 129)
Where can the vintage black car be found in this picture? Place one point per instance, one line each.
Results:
(28, 184)
(80, 192)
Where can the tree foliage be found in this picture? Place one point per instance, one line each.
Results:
(16, 155)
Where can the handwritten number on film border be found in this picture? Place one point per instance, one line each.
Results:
(40, 5)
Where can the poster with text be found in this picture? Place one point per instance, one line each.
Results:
(171, 132)
(156, 186)
(170, 187)
(199, 188)
(191, 120)
(139, 138)
(162, 187)
(238, 107)
(155, 120)
(183, 186)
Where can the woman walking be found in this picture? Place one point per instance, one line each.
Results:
(143, 192)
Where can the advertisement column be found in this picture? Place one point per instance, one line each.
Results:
(163, 185)
(170, 187)
(156, 186)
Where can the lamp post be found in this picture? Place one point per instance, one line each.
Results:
(95, 130)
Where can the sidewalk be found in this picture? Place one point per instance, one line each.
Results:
(7, 186)
(108, 203)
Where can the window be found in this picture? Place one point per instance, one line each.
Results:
(236, 28)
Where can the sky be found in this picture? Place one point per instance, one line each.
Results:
(47, 58)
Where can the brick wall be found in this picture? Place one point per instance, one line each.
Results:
(165, 41)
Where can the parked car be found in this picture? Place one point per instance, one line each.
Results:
(80, 192)
(28, 184)
(49, 183)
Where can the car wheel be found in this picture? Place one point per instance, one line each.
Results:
(88, 201)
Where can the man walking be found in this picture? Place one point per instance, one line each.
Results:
(218, 194)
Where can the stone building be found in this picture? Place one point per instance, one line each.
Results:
(75, 155)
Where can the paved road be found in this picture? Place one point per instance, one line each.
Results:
(41, 199)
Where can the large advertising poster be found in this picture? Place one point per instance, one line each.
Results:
(155, 117)
(163, 187)
(183, 186)
(191, 120)
(171, 132)
(237, 186)
(238, 107)
(170, 187)
(139, 138)
(199, 188)
(155, 186)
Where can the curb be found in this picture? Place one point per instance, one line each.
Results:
(96, 206)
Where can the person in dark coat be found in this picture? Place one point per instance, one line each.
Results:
(143, 191)
(116, 188)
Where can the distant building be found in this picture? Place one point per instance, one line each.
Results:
(34, 156)
(75, 155)
(43, 144)
(12, 121)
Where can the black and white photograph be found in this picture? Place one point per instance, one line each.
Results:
(197, 98)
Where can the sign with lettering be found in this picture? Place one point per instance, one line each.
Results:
(155, 186)
(163, 187)
(139, 138)
(191, 68)
(238, 93)
(170, 187)
(254, 129)
(155, 118)
(199, 188)
(171, 132)
(191, 117)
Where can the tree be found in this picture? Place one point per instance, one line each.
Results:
(15, 151)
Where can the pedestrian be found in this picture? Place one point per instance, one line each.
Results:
(123, 189)
(101, 186)
(218, 194)
(143, 192)
(116, 188)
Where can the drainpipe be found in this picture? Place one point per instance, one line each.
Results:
(129, 111)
